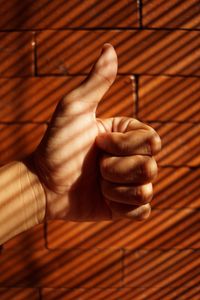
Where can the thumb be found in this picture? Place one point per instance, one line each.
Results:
(101, 77)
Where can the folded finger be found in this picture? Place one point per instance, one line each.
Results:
(138, 213)
(128, 194)
(136, 169)
(141, 141)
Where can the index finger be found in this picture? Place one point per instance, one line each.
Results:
(133, 142)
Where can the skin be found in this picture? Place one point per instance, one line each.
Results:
(96, 169)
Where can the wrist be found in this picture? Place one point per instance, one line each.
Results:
(22, 200)
(56, 200)
(36, 191)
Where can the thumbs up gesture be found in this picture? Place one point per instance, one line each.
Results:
(96, 169)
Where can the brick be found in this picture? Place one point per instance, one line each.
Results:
(162, 268)
(183, 293)
(44, 14)
(167, 229)
(32, 99)
(32, 239)
(164, 98)
(84, 235)
(82, 294)
(119, 100)
(69, 269)
(164, 229)
(177, 188)
(180, 144)
(19, 140)
(19, 294)
(171, 14)
(16, 54)
(35, 99)
(142, 293)
(140, 52)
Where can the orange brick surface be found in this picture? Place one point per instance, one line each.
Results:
(177, 188)
(139, 52)
(66, 294)
(16, 54)
(170, 268)
(156, 293)
(180, 144)
(19, 140)
(46, 49)
(31, 14)
(84, 268)
(171, 14)
(33, 239)
(159, 232)
(19, 294)
(167, 98)
(35, 99)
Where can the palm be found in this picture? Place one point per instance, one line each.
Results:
(72, 156)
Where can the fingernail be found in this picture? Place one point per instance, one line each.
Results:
(105, 46)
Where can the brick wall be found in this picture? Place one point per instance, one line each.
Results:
(46, 49)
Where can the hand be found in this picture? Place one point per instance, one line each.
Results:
(91, 168)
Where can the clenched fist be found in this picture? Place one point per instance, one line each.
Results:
(96, 169)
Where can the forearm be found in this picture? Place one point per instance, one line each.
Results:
(22, 200)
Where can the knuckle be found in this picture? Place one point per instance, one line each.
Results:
(155, 142)
(145, 211)
(139, 214)
(149, 168)
(145, 193)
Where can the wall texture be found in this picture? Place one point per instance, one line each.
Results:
(46, 49)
